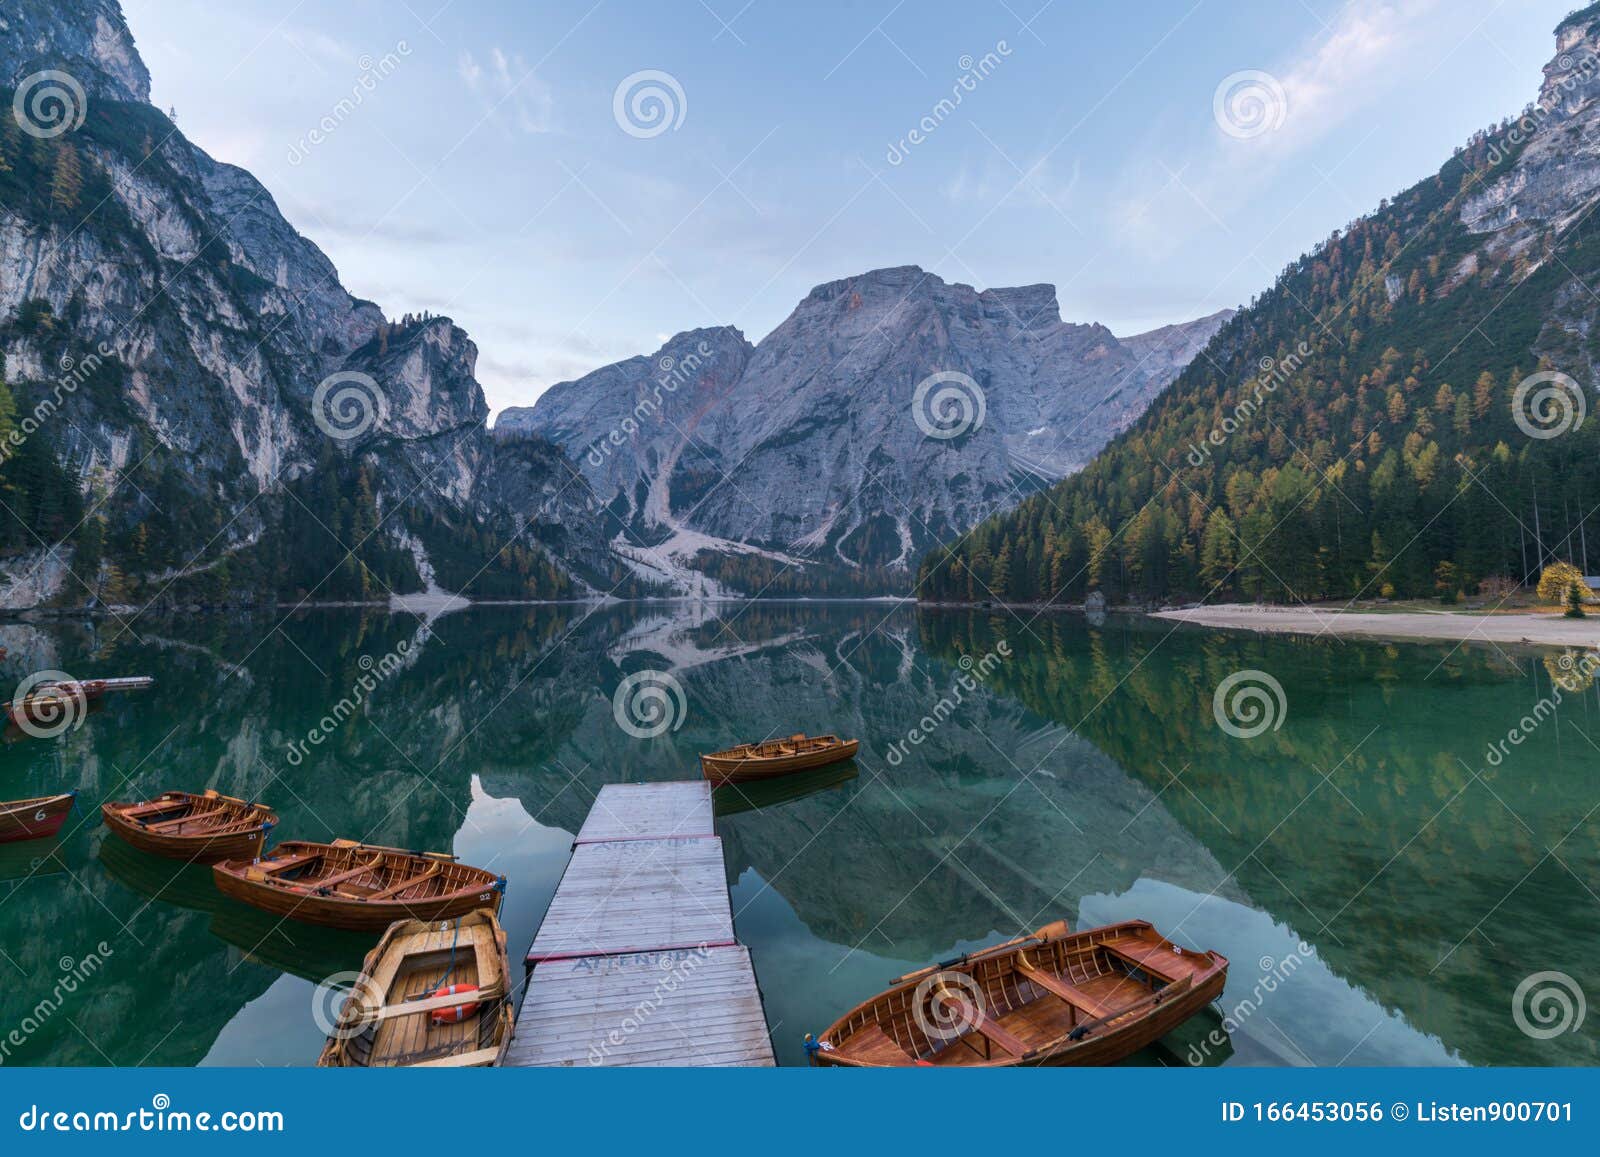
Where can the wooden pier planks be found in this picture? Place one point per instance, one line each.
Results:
(637, 896)
(691, 1007)
(635, 962)
(648, 811)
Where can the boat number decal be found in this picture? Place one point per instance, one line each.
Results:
(39, 816)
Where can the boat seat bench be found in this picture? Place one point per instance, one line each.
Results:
(1154, 959)
(1073, 995)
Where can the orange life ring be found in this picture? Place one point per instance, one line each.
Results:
(456, 1013)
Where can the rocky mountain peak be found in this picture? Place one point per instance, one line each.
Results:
(87, 39)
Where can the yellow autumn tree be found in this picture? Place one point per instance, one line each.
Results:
(1558, 581)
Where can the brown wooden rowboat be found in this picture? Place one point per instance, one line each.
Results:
(201, 829)
(34, 819)
(393, 1015)
(1053, 998)
(357, 886)
(47, 704)
(750, 761)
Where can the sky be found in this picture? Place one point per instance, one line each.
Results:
(574, 182)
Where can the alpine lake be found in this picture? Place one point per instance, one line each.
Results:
(1394, 881)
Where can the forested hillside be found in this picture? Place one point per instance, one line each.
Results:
(1367, 426)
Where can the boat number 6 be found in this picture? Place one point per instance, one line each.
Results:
(39, 816)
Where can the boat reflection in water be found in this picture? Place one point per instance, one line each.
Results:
(733, 798)
(22, 861)
(305, 950)
(288, 946)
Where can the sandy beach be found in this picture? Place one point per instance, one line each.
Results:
(1541, 629)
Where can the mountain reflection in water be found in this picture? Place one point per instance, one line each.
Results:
(1362, 856)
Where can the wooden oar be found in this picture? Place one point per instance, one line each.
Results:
(1052, 931)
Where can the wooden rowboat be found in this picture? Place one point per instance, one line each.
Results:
(34, 819)
(47, 704)
(751, 761)
(201, 829)
(1053, 998)
(431, 994)
(356, 886)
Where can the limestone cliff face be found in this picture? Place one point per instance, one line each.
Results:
(811, 441)
(1538, 192)
(188, 329)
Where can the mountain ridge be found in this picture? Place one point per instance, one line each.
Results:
(222, 420)
(807, 443)
(1400, 414)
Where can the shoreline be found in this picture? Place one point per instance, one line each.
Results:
(1516, 628)
(421, 604)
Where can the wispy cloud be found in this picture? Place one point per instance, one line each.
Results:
(1356, 61)
(509, 89)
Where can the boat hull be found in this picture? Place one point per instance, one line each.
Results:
(743, 769)
(333, 888)
(1055, 998)
(351, 915)
(200, 846)
(34, 819)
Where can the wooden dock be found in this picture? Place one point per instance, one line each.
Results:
(635, 962)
